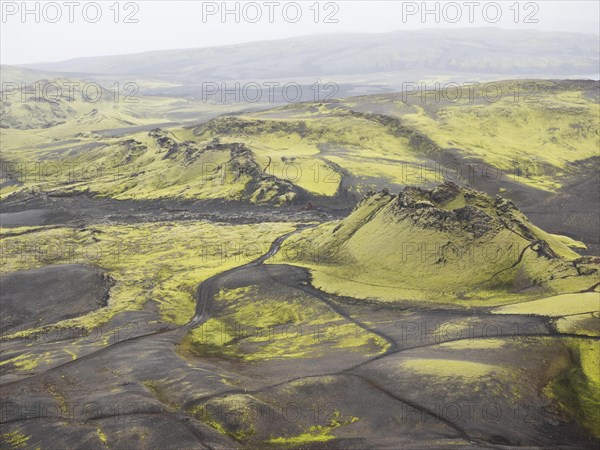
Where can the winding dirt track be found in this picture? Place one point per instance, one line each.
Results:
(203, 307)
(203, 312)
(203, 297)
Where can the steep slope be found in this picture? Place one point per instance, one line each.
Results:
(449, 244)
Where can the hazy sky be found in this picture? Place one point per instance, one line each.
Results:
(44, 35)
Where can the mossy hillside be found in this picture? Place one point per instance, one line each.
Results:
(444, 245)
(49, 106)
(575, 313)
(55, 110)
(256, 325)
(534, 140)
(556, 306)
(205, 170)
(150, 165)
(67, 135)
(301, 148)
(578, 390)
(448, 368)
(290, 157)
(585, 323)
(163, 262)
(474, 344)
(301, 137)
(534, 136)
(395, 171)
(77, 123)
(316, 433)
(145, 166)
(232, 415)
(310, 146)
(257, 420)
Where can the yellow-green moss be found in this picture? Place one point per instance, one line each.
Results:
(316, 433)
(239, 406)
(257, 327)
(102, 436)
(449, 368)
(27, 361)
(578, 390)
(14, 440)
(556, 306)
(373, 256)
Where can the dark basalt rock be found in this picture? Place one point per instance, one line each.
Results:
(543, 249)
(403, 200)
(445, 192)
(481, 215)
(475, 220)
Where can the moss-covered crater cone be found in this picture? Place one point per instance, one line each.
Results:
(446, 244)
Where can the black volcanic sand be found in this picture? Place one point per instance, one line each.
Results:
(82, 210)
(134, 383)
(39, 297)
(127, 391)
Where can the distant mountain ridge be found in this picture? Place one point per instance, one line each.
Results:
(462, 53)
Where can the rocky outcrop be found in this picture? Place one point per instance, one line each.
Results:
(450, 208)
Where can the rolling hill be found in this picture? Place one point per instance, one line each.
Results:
(541, 152)
(446, 245)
